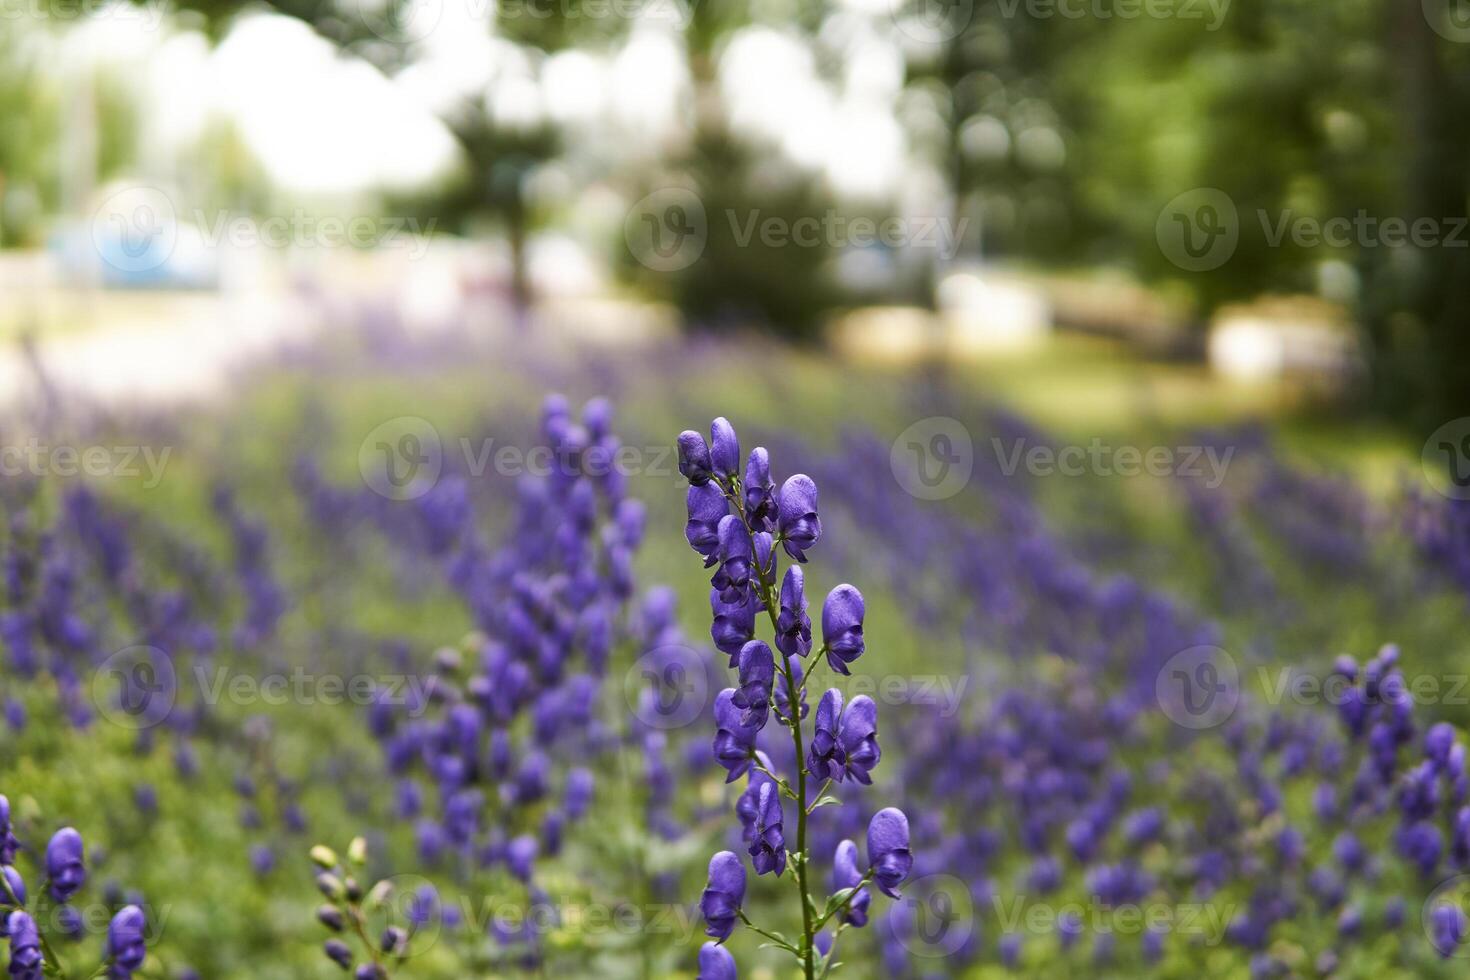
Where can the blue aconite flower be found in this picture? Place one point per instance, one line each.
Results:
(760, 491)
(784, 687)
(707, 507)
(64, 864)
(757, 675)
(1446, 928)
(8, 844)
(858, 734)
(747, 806)
(724, 449)
(723, 896)
(125, 945)
(842, 627)
(793, 625)
(734, 740)
(768, 848)
(694, 458)
(732, 578)
(716, 963)
(520, 856)
(888, 849)
(733, 625)
(797, 516)
(824, 754)
(845, 874)
(26, 962)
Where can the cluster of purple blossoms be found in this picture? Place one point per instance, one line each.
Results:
(736, 524)
(350, 909)
(31, 956)
(490, 763)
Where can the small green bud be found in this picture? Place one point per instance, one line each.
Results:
(324, 857)
(357, 851)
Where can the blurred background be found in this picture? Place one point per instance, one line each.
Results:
(1272, 191)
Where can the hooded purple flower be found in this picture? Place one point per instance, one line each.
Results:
(784, 688)
(842, 627)
(757, 676)
(732, 578)
(25, 947)
(694, 458)
(125, 946)
(1447, 928)
(64, 864)
(858, 734)
(706, 507)
(723, 896)
(716, 963)
(747, 807)
(15, 886)
(8, 844)
(768, 848)
(760, 492)
(797, 516)
(845, 874)
(733, 625)
(824, 755)
(520, 856)
(724, 451)
(734, 740)
(793, 625)
(888, 849)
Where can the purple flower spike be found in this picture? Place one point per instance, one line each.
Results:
(888, 849)
(723, 896)
(842, 627)
(64, 864)
(716, 963)
(796, 516)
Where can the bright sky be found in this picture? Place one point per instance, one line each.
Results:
(321, 122)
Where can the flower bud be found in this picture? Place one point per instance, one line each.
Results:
(324, 857)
